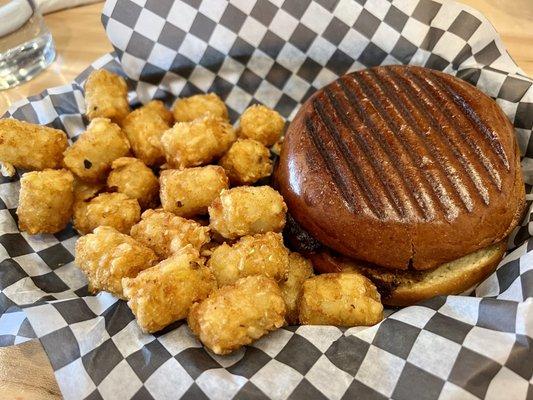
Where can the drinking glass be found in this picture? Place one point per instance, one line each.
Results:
(26, 45)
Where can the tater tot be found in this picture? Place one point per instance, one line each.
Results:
(208, 248)
(107, 209)
(144, 127)
(189, 192)
(189, 144)
(236, 315)
(31, 146)
(166, 233)
(45, 202)
(158, 107)
(342, 299)
(246, 162)
(261, 123)
(106, 256)
(262, 254)
(85, 191)
(91, 156)
(133, 178)
(189, 108)
(247, 210)
(300, 269)
(106, 96)
(164, 293)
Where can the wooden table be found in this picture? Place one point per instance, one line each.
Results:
(80, 39)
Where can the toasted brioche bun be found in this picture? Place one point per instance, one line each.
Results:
(404, 288)
(402, 167)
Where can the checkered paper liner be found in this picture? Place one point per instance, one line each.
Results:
(277, 53)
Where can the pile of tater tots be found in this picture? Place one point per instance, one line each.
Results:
(171, 221)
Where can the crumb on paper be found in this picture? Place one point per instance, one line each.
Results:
(7, 170)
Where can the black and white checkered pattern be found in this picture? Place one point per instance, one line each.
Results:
(277, 52)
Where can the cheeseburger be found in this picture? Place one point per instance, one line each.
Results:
(407, 175)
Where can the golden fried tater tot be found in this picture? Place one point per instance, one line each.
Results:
(31, 146)
(133, 178)
(262, 254)
(189, 192)
(262, 124)
(164, 293)
(107, 209)
(189, 144)
(106, 96)
(106, 256)
(208, 248)
(342, 299)
(144, 128)
(246, 162)
(45, 202)
(236, 315)
(247, 210)
(189, 108)
(85, 191)
(300, 269)
(91, 156)
(166, 233)
(158, 107)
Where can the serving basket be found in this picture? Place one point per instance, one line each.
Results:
(276, 53)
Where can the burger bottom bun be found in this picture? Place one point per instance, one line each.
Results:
(404, 288)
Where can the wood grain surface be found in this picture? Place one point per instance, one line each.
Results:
(25, 372)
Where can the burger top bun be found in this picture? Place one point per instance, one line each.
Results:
(403, 167)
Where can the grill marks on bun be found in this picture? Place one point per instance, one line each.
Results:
(389, 134)
(402, 143)
(402, 167)
(460, 126)
(336, 175)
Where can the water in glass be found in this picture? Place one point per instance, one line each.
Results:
(26, 45)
